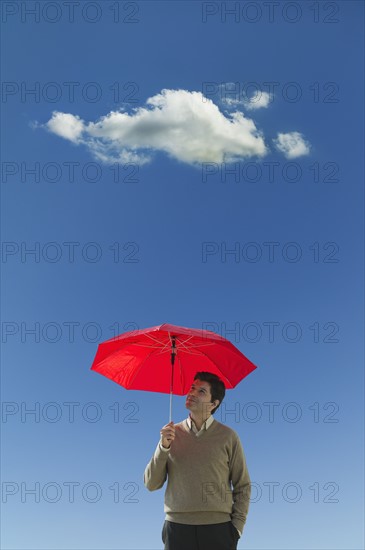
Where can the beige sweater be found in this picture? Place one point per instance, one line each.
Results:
(199, 468)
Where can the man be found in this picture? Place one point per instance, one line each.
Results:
(201, 457)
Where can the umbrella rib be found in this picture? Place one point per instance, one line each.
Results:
(197, 345)
(146, 345)
(163, 347)
(160, 349)
(188, 349)
(156, 340)
(183, 342)
(160, 345)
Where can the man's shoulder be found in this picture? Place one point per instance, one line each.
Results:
(225, 430)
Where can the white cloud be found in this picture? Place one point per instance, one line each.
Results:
(259, 101)
(185, 125)
(292, 144)
(66, 125)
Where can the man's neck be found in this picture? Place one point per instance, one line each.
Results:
(198, 420)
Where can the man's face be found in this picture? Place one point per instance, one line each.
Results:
(199, 397)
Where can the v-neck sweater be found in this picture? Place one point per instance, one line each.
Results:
(199, 472)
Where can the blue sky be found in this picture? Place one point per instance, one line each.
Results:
(123, 242)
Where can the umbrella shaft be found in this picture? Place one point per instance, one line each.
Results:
(173, 353)
(172, 371)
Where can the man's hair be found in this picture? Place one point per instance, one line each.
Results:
(217, 387)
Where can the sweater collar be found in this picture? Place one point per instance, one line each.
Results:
(205, 425)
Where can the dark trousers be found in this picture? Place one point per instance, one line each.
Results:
(217, 536)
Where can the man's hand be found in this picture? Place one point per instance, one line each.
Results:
(167, 434)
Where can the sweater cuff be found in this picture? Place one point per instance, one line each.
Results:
(240, 532)
(163, 448)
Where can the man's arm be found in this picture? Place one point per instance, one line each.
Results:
(241, 486)
(155, 473)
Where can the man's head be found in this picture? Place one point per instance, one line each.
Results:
(207, 392)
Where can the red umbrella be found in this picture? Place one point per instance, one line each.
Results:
(145, 359)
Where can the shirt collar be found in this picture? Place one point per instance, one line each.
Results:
(205, 425)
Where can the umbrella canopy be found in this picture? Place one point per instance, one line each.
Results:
(145, 359)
